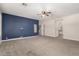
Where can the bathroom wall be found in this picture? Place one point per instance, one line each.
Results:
(15, 26)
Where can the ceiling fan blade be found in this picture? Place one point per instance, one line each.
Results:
(47, 15)
(49, 12)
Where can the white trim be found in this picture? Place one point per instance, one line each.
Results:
(0, 26)
(19, 38)
(71, 39)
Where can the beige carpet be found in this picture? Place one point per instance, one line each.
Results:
(40, 46)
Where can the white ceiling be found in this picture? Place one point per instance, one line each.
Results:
(32, 9)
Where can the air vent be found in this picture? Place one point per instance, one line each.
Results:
(24, 4)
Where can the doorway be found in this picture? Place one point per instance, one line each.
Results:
(60, 29)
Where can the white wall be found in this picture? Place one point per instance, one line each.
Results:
(71, 27)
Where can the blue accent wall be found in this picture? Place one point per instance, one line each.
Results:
(16, 26)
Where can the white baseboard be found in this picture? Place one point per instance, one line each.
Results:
(68, 38)
(20, 38)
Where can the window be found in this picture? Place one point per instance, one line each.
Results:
(35, 28)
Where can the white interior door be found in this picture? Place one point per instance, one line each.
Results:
(50, 28)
